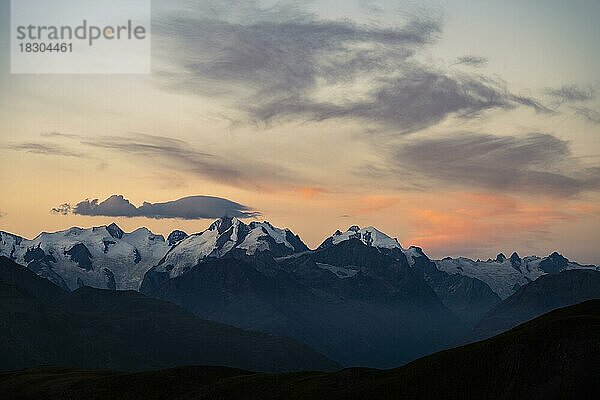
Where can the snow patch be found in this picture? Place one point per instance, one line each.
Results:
(340, 272)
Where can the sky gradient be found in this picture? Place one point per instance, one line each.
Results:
(466, 128)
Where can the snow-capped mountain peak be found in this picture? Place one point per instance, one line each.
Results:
(264, 237)
(115, 231)
(370, 236)
(229, 234)
(412, 253)
(506, 275)
(175, 237)
(223, 224)
(102, 256)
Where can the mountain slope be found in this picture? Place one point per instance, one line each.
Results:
(545, 294)
(93, 328)
(467, 297)
(556, 356)
(348, 301)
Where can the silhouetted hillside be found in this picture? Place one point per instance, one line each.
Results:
(556, 356)
(93, 328)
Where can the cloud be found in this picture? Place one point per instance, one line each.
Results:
(48, 149)
(533, 163)
(569, 94)
(178, 156)
(169, 149)
(55, 134)
(182, 156)
(471, 60)
(284, 63)
(589, 114)
(193, 207)
(63, 209)
(572, 93)
(54, 149)
(418, 99)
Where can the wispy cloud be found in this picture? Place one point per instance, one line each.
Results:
(533, 163)
(572, 93)
(589, 114)
(193, 207)
(170, 150)
(48, 149)
(276, 63)
(236, 171)
(171, 153)
(55, 134)
(578, 98)
(471, 60)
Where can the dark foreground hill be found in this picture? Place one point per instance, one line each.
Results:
(41, 324)
(556, 356)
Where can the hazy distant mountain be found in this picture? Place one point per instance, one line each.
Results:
(506, 275)
(556, 356)
(545, 294)
(42, 324)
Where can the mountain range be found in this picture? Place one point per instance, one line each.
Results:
(360, 298)
(107, 257)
